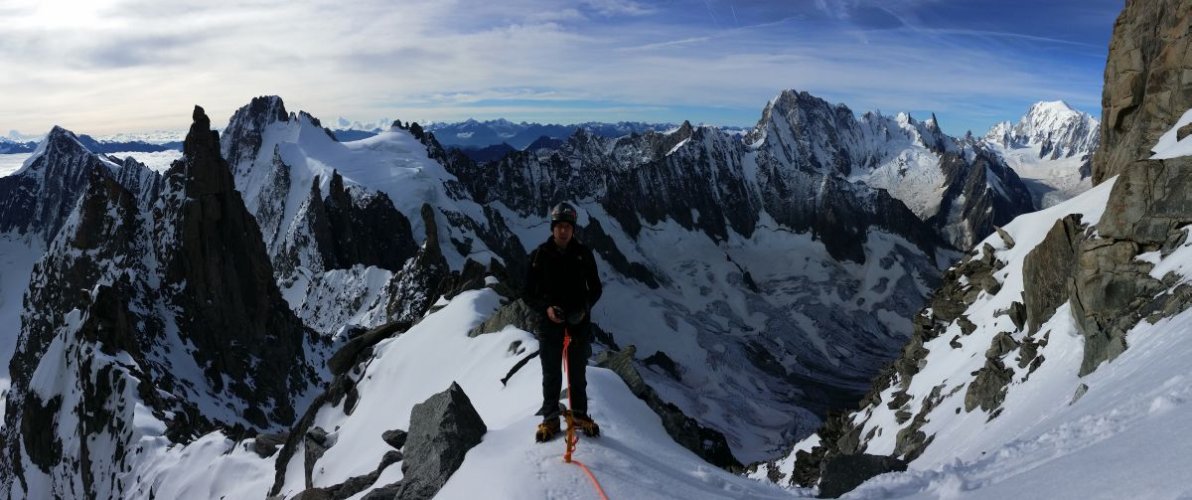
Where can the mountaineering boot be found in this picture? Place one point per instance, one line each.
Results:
(547, 430)
(585, 424)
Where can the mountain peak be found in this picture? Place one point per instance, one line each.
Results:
(59, 136)
(243, 135)
(61, 142)
(1055, 127)
(1051, 107)
(790, 100)
(200, 139)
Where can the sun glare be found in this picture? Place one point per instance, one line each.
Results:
(63, 14)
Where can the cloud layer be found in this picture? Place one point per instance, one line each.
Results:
(104, 67)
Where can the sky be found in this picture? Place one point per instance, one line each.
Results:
(109, 66)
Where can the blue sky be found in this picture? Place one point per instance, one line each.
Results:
(103, 67)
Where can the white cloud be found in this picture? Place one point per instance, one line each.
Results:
(618, 7)
(142, 64)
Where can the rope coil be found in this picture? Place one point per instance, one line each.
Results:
(571, 438)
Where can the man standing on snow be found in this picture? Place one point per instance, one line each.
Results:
(563, 285)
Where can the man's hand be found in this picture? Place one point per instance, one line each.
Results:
(550, 313)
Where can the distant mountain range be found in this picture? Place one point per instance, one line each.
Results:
(117, 144)
(473, 135)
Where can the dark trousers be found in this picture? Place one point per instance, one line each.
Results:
(550, 343)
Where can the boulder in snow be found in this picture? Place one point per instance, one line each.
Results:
(442, 430)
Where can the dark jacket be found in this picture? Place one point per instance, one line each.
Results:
(565, 278)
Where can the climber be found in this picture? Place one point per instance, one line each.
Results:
(562, 284)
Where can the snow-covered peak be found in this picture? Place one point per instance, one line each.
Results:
(59, 136)
(1051, 145)
(1058, 130)
(61, 142)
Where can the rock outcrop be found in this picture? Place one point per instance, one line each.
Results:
(443, 428)
(1148, 85)
(1148, 82)
(1048, 268)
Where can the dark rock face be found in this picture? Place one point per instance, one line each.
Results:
(270, 215)
(421, 280)
(834, 436)
(442, 430)
(1146, 83)
(515, 313)
(61, 283)
(210, 242)
(1112, 289)
(843, 473)
(1048, 269)
(709, 444)
(988, 389)
(1146, 89)
(368, 231)
(395, 438)
(980, 208)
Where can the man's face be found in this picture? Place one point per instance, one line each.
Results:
(562, 232)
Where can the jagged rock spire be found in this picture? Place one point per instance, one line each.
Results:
(230, 297)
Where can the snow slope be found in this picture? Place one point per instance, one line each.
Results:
(1052, 385)
(1125, 438)
(633, 458)
(1170, 145)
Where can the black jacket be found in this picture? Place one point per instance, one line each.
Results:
(565, 278)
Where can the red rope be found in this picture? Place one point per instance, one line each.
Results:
(571, 438)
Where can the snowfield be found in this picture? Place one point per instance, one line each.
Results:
(1125, 438)
(634, 457)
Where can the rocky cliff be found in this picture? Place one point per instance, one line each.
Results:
(1148, 86)
(1107, 267)
(150, 320)
(1147, 82)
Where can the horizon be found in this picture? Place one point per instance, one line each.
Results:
(971, 64)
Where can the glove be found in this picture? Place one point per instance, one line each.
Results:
(576, 317)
